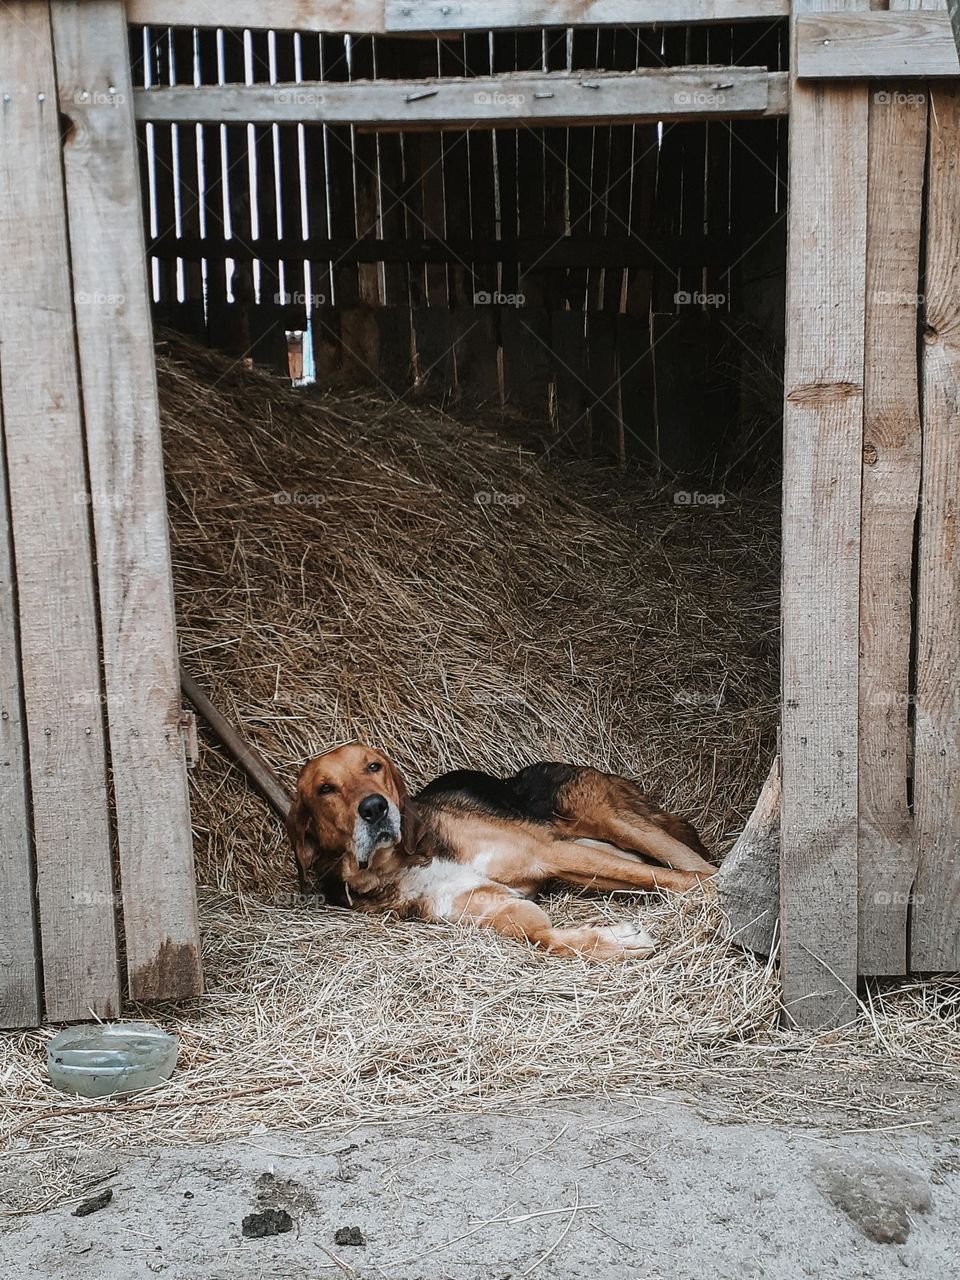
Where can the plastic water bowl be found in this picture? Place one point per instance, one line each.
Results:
(111, 1057)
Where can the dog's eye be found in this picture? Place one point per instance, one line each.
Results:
(374, 766)
(326, 789)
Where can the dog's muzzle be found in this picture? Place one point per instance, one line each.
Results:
(378, 825)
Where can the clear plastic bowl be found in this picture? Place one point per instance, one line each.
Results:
(98, 1059)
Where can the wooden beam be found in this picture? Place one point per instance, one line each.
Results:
(264, 778)
(876, 45)
(507, 101)
(19, 969)
(935, 921)
(463, 15)
(114, 340)
(823, 426)
(887, 853)
(379, 16)
(50, 508)
(279, 15)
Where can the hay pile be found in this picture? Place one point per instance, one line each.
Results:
(595, 621)
(347, 566)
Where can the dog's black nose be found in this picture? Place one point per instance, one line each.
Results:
(372, 807)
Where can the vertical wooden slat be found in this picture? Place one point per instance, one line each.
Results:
(580, 175)
(289, 218)
(673, 416)
(269, 346)
(719, 140)
(553, 281)
(823, 432)
(366, 178)
(635, 358)
(359, 330)
(191, 312)
(756, 280)
(325, 331)
(288, 170)
(339, 160)
(607, 217)
(605, 415)
(158, 68)
(129, 510)
(935, 933)
(456, 179)
(478, 352)
(395, 339)
(213, 201)
(19, 967)
(50, 514)
(887, 851)
(390, 195)
(236, 147)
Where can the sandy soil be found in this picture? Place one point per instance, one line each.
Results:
(654, 1189)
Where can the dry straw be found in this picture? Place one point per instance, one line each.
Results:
(338, 575)
(350, 566)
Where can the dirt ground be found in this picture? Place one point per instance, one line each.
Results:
(656, 1188)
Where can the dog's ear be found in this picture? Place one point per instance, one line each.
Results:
(303, 837)
(413, 834)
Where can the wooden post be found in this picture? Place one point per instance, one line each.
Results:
(887, 851)
(823, 426)
(935, 934)
(19, 970)
(50, 514)
(114, 341)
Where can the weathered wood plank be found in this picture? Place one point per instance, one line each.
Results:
(19, 969)
(129, 511)
(891, 476)
(503, 101)
(50, 513)
(823, 425)
(463, 15)
(335, 16)
(868, 46)
(483, 190)
(187, 151)
(373, 16)
(157, 67)
(474, 338)
(289, 188)
(366, 180)
(935, 929)
(268, 345)
(339, 175)
(213, 208)
(748, 881)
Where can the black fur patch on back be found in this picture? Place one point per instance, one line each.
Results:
(471, 791)
(539, 788)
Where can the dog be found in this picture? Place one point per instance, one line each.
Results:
(472, 847)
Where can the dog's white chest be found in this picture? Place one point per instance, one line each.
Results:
(441, 885)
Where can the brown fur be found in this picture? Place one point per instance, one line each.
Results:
(478, 864)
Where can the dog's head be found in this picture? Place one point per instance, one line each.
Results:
(351, 817)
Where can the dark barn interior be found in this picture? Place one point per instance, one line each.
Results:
(614, 291)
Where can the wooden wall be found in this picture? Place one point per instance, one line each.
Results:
(95, 840)
(870, 841)
(601, 281)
